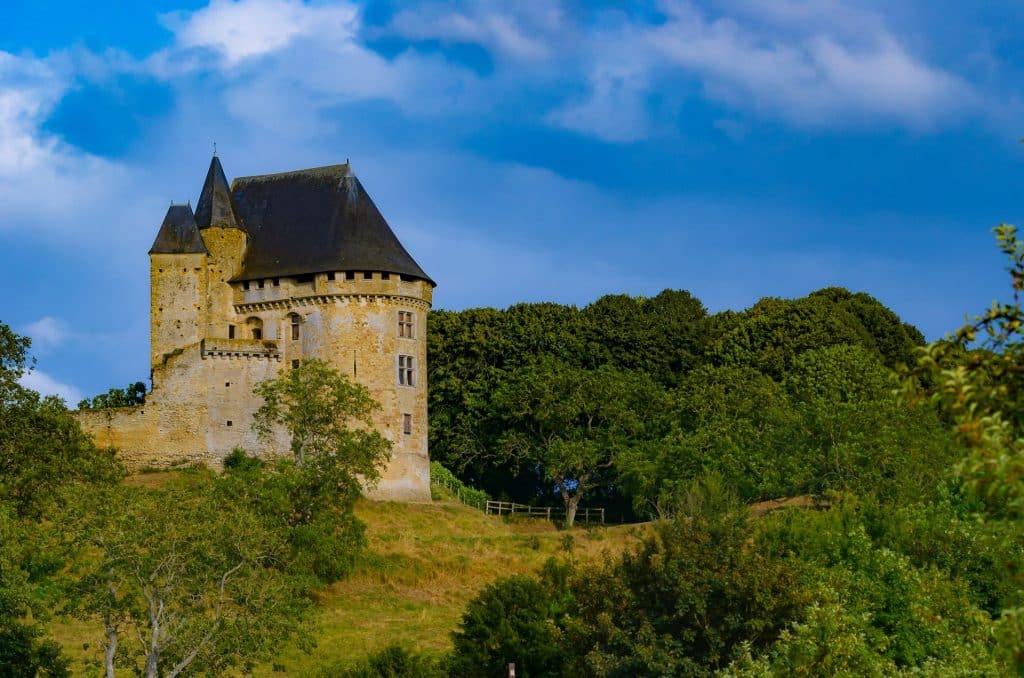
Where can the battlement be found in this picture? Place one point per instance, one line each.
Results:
(239, 348)
(339, 283)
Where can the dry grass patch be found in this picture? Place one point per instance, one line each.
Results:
(423, 563)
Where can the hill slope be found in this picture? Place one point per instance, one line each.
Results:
(423, 564)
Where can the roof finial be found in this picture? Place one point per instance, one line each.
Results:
(215, 149)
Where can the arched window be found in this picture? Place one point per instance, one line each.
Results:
(295, 321)
(255, 327)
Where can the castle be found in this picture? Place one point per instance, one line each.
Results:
(266, 272)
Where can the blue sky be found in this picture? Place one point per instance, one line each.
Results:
(522, 151)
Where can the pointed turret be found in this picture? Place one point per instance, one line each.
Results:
(178, 233)
(216, 207)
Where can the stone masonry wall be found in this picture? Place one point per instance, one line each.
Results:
(202, 403)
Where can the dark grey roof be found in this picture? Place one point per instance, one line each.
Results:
(179, 233)
(216, 206)
(315, 220)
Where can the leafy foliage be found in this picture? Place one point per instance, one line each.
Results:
(133, 394)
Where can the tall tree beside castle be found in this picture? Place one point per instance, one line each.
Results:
(267, 272)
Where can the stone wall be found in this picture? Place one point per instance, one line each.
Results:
(202, 403)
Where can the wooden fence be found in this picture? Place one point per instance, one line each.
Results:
(508, 508)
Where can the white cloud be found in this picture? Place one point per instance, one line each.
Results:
(47, 385)
(45, 184)
(812, 78)
(243, 29)
(47, 332)
(520, 34)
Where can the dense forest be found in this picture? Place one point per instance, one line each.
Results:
(902, 555)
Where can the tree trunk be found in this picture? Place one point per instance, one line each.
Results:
(571, 503)
(110, 650)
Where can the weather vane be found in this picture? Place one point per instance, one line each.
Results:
(215, 149)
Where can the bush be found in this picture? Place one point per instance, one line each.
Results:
(510, 621)
(393, 661)
(439, 475)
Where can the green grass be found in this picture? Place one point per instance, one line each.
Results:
(424, 562)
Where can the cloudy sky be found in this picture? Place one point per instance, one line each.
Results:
(522, 151)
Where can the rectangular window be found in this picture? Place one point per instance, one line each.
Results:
(277, 282)
(245, 285)
(295, 327)
(407, 424)
(260, 284)
(385, 276)
(405, 327)
(350, 275)
(367, 275)
(330, 276)
(406, 370)
(231, 331)
(257, 333)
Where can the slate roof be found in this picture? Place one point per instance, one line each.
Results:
(216, 206)
(312, 221)
(179, 233)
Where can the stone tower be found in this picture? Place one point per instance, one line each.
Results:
(268, 271)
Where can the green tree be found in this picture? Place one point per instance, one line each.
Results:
(977, 377)
(182, 581)
(509, 621)
(133, 394)
(322, 410)
(24, 651)
(570, 423)
(42, 446)
(772, 333)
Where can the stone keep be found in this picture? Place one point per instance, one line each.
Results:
(266, 272)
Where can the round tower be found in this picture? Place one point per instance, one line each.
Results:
(325, 277)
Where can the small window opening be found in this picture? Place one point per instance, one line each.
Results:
(350, 275)
(259, 284)
(367, 275)
(295, 326)
(308, 278)
(231, 331)
(385, 276)
(330, 276)
(407, 424)
(245, 285)
(295, 364)
(277, 282)
(405, 326)
(406, 370)
(227, 384)
(229, 422)
(255, 327)
(406, 278)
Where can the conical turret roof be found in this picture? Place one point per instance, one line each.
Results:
(216, 206)
(178, 234)
(312, 221)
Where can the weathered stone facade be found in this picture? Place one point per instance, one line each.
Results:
(221, 324)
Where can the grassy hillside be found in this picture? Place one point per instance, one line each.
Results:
(423, 564)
